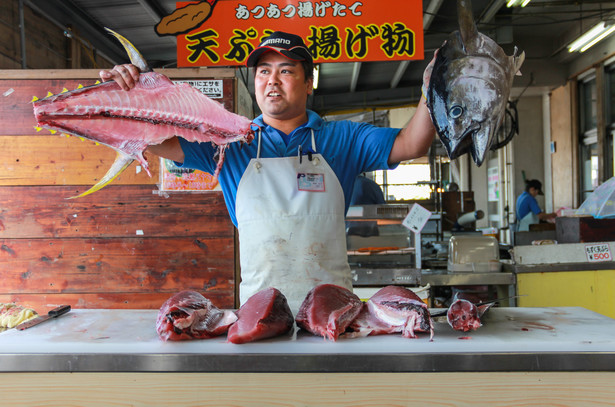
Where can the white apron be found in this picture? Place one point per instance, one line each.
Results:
(290, 217)
(530, 219)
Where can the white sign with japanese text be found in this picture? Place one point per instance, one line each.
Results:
(598, 252)
(417, 218)
(211, 88)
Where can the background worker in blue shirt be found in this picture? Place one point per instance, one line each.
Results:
(527, 209)
(288, 191)
(366, 191)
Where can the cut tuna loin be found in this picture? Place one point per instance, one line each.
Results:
(328, 310)
(266, 314)
(393, 309)
(189, 315)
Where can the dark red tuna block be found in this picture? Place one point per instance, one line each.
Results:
(266, 314)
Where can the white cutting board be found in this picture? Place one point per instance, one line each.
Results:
(558, 329)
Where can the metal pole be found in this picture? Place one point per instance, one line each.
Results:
(22, 31)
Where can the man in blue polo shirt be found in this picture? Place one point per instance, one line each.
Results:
(289, 190)
(527, 208)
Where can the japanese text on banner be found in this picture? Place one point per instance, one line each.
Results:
(334, 31)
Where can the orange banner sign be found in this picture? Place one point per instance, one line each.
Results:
(334, 31)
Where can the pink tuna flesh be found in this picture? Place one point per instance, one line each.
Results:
(328, 310)
(266, 314)
(393, 309)
(189, 315)
(153, 111)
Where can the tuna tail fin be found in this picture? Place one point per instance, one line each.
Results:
(122, 161)
(133, 53)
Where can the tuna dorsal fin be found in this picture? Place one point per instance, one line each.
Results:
(518, 61)
(121, 162)
(133, 53)
(467, 26)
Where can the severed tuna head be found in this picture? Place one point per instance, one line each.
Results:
(462, 315)
(469, 84)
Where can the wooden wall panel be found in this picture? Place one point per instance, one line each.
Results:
(562, 161)
(118, 300)
(116, 211)
(127, 266)
(127, 246)
(46, 44)
(59, 160)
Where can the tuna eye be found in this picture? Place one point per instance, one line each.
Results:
(456, 111)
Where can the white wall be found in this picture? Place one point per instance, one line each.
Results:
(399, 117)
(528, 145)
(528, 155)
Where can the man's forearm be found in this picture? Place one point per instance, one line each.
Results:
(170, 149)
(414, 140)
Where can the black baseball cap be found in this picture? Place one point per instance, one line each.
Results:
(289, 45)
(534, 183)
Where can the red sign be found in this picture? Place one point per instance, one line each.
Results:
(334, 31)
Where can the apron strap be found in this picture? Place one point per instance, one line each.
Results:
(258, 148)
(313, 141)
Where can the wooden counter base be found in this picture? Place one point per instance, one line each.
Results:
(307, 389)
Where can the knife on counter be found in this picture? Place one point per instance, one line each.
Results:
(54, 313)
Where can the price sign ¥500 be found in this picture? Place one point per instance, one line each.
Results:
(598, 252)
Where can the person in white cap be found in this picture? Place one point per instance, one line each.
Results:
(289, 190)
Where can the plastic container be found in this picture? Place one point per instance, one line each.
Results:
(474, 254)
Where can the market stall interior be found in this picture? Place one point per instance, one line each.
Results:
(539, 301)
(365, 91)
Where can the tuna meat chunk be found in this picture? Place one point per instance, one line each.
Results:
(189, 315)
(328, 310)
(465, 316)
(393, 309)
(266, 314)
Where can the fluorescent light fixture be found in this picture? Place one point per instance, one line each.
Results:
(517, 3)
(590, 38)
(316, 73)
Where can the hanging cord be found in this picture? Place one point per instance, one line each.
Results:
(513, 115)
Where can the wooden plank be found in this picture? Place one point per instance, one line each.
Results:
(116, 265)
(561, 105)
(57, 160)
(42, 303)
(117, 211)
(478, 389)
(9, 32)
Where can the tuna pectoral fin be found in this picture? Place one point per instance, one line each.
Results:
(121, 162)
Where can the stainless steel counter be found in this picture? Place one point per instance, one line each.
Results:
(512, 339)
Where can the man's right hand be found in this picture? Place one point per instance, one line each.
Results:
(126, 75)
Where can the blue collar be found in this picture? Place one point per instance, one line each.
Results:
(314, 121)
